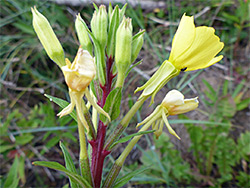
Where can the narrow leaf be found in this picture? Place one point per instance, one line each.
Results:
(122, 181)
(62, 103)
(82, 182)
(69, 164)
(126, 138)
(12, 179)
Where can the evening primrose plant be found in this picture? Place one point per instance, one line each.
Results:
(107, 51)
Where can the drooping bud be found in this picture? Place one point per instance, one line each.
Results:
(123, 49)
(137, 45)
(175, 103)
(48, 38)
(82, 34)
(81, 72)
(99, 25)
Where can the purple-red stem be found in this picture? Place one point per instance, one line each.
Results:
(98, 152)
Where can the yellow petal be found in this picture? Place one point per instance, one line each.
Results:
(189, 105)
(201, 53)
(183, 38)
(173, 98)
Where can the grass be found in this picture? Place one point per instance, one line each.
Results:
(30, 129)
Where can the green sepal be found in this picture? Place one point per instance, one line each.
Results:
(113, 26)
(122, 181)
(122, 12)
(82, 34)
(12, 179)
(112, 105)
(62, 103)
(132, 66)
(69, 164)
(127, 138)
(160, 78)
(99, 59)
(137, 43)
(81, 181)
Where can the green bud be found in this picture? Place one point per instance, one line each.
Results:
(137, 45)
(99, 25)
(123, 49)
(48, 38)
(82, 34)
(113, 26)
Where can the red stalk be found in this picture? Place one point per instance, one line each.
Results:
(98, 151)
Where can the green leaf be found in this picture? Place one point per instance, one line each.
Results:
(126, 138)
(112, 105)
(69, 164)
(56, 166)
(12, 179)
(243, 104)
(24, 139)
(62, 103)
(6, 147)
(122, 181)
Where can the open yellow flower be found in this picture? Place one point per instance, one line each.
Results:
(194, 47)
(173, 104)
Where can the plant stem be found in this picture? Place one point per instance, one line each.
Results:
(124, 123)
(84, 161)
(98, 151)
(113, 173)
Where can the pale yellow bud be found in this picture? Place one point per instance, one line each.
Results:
(175, 103)
(81, 72)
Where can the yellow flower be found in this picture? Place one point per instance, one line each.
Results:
(173, 104)
(81, 72)
(194, 47)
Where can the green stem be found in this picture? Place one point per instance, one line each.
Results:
(113, 173)
(120, 80)
(124, 123)
(83, 158)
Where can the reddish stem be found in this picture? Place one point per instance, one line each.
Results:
(98, 151)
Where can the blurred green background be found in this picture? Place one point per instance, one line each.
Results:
(215, 146)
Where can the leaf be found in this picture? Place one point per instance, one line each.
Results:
(126, 138)
(112, 105)
(12, 179)
(24, 139)
(122, 181)
(69, 164)
(5, 148)
(56, 166)
(243, 104)
(62, 103)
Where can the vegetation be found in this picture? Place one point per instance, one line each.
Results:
(215, 146)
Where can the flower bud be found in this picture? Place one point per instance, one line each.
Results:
(123, 48)
(137, 45)
(81, 72)
(48, 38)
(99, 25)
(82, 34)
(175, 103)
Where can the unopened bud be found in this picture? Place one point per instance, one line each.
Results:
(123, 47)
(48, 38)
(137, 45)
(99, 25)
(82, 34)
